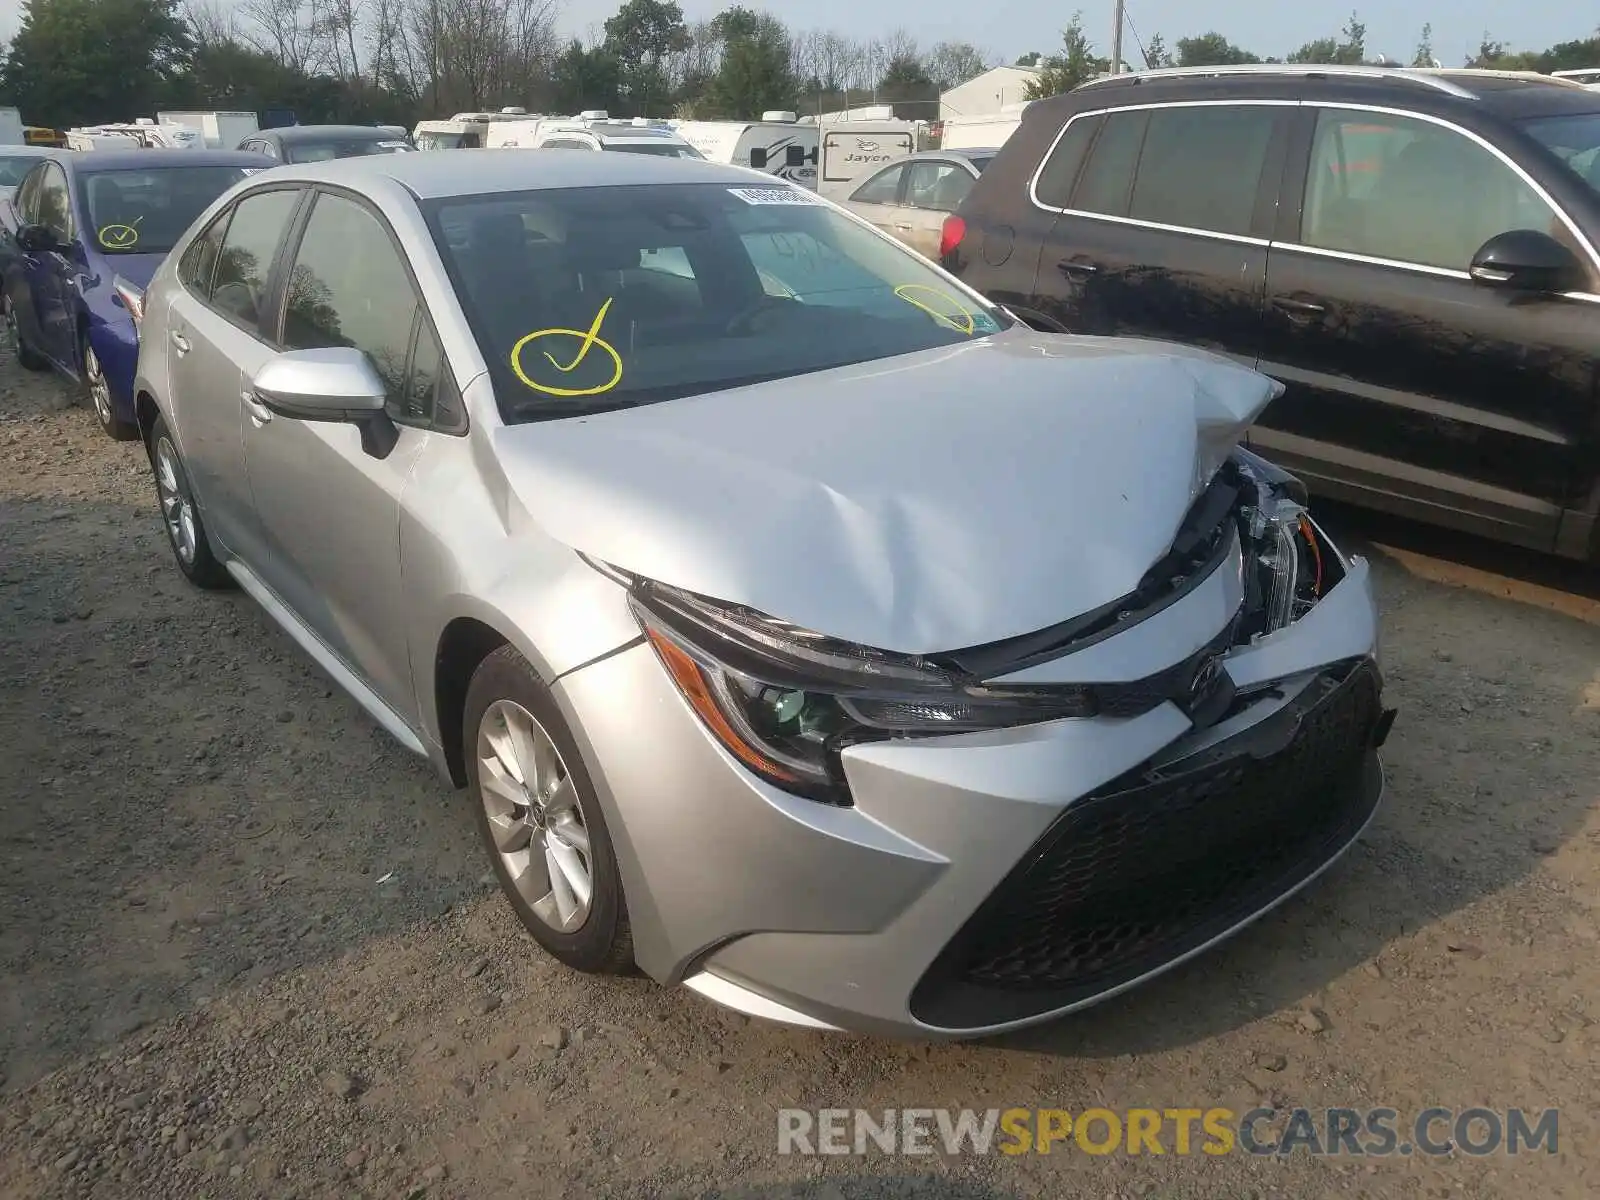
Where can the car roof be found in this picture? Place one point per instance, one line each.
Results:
(87, 161)
(33, 151)
(432, 174)
(314, 133)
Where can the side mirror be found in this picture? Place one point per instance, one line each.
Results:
(1526, 260)
(37, 238)
(337, 383)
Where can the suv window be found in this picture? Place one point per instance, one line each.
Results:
(882, 188)
(1107, 177)
(1060, 170)
(248, 248)
(349, 287)
(1411, 191)
(1201, 167)
(199, 261)
(940, 186)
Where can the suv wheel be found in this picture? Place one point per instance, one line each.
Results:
(540, 820)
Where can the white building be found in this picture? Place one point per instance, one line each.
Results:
(987, 94)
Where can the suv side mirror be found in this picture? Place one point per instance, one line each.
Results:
(1526, 260)
(337, 383)
(37, 238)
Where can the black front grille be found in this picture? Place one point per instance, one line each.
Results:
(1161, 861)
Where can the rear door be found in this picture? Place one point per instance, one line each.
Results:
(215, 342)
(1165, 228)
(878, 199)
(1410, 386)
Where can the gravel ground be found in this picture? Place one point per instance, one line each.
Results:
(248, 946)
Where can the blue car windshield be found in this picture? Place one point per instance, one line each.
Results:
(606, 297)
(146, 211)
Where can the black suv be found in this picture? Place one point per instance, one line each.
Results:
(1411, 252)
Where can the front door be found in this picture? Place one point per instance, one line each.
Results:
(214, 341)
(1165, 232)
(1409, 385)
(51, 273)
(330, 510)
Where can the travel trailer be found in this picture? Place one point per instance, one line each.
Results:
(590, 130)
(464, 131)
(777, 144)
(11, 129)
(141, 133)
(989, 130)
(852, 150)
(221, 130)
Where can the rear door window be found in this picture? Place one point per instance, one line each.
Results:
(940, 186)
(1060, 170)
(882, 188)
(1200, 167)
(1107, 177)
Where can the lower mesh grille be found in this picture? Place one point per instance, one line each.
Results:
(1158, 862)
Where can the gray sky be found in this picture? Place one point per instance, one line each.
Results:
(1268, 27)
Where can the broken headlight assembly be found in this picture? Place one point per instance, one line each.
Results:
(1290, 562)
(785, 701)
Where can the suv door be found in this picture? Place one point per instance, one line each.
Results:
(330, 510)
(214, 341)
(1164, 232)
(1410, 387)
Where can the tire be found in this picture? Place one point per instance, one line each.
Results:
(180, 516)
(27, 359)
(505, 690)
(98, 392)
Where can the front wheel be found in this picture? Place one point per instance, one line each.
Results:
(540, 820)
(180, 515)
(99, 388)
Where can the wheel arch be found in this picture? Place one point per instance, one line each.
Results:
(463, 645)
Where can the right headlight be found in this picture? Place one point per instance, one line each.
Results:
(1294, 563)
(785, 701)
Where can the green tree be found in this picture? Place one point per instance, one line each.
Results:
(1348, 49)
(1077, 63)
(1031, 59)
(1211, 50)
(908, 88)
(640, 38)
(1324, 51)
(82, 61)
(757, 73)
(585, 78)
(1156, 54)
(1424, 55)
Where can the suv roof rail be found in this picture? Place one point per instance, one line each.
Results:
(1420, 77)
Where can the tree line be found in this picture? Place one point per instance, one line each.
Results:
(395, 61)
(1077, 60)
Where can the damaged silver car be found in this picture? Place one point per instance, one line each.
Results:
(804, 629)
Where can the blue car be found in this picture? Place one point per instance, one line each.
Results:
(79, 240)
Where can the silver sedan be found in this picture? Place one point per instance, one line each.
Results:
(804, 629)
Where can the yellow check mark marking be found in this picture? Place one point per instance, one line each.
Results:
(589, 340)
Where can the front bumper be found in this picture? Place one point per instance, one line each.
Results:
(116, 344)
(983, 882)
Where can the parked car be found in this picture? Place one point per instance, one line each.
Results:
(910, 198)
(17, 161)
(318, 143)
(79, 239)
(840, 647)
(1411, 252)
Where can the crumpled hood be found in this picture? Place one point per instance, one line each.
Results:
(923, 503)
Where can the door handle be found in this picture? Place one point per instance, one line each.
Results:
(1299, 308)
(1075, 267)
(259, 412)
(179, 343)
(897, 225)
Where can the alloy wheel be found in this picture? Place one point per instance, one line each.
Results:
(177, 509)
(99, 389)
(535, 817)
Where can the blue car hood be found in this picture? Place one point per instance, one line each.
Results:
(135, 268)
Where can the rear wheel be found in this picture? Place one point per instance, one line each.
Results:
(28, 359)
(540, 820)
(180, 516)
(99, 388)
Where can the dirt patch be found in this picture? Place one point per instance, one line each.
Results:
(208, 990)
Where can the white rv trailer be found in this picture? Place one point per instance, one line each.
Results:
(11, 128)
(777, 144)
(850, 150)
(465, 130)
(1589, 77)
(593, 129)
(143, 133)
(984, 132)
(221, 130)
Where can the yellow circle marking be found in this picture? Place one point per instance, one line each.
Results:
(119, 237)
(968, 323)
(588, 339)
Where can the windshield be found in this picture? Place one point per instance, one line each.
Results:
(147, 211)
(305, 152)
(13, 168)
(664, 149)
(588, 298)
(1575, 140)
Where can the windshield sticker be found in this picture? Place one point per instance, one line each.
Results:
(779, 195)
(254, 170)
(954, 315)
(588, 340)
(395, 145)
(120, 237)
